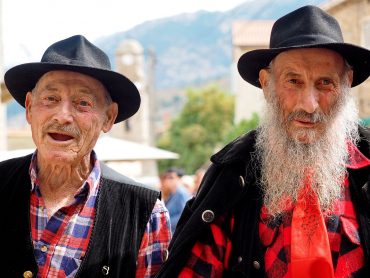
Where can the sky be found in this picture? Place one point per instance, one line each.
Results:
(30, 26)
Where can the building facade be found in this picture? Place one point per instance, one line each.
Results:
(354, 18)
(247, 36)
(131, 63)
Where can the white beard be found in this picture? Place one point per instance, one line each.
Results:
(284, 159)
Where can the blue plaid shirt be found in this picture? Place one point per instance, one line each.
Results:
(60, 242)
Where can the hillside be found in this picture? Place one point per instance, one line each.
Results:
(190, 49)
(194, 48)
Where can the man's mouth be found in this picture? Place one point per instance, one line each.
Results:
(305, 122)
(60, 136)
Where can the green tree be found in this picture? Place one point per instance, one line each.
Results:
(201, 126)
(242, 127)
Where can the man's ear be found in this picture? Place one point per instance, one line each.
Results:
(111, 115)
(350, 77)
(264, 79)
(28, 106)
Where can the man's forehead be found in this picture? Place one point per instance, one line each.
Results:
(170, 174)
(311, 58)
(69, 76)
(304, 52)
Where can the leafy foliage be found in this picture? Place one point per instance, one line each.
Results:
(242, 127)
(203, 122)
(204, 125)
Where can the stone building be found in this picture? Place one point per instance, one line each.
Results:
(130, 62)
(354, 19)
(246, 36)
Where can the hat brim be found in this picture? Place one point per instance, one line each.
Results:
(250, 63)
(23, 78)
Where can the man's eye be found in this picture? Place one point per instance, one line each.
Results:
(84, 103)
(50, 98)
(293, 81)
(326, 82)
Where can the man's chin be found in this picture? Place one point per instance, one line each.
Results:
(305, 137)
(304, 140)
(57, 156)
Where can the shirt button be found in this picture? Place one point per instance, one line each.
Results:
(241, 181)
(256, 265)
(105, 270)
(165, 255)
(208, 216)
(44, 248)
(27, 274)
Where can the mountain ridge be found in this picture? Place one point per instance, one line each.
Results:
(195, 48)
(191, 49)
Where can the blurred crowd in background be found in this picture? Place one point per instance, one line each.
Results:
(177, 188)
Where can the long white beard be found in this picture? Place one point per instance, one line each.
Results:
(284, 160)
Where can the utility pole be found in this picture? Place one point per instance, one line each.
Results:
(3, 126)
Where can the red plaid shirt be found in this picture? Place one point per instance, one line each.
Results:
(210, 255)
(60, 242)
(342, 227)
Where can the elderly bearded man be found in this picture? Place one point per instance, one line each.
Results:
(290, 199)
(64, 213)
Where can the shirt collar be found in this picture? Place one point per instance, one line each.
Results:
(356, 160)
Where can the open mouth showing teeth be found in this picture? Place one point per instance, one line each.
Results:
(60, 137)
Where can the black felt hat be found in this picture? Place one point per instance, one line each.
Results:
(306, 27)
(76, 54)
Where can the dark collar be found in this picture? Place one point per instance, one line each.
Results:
(364, 144)
(239, 150)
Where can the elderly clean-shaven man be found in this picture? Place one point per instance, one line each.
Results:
(64, 213)
(291, 198)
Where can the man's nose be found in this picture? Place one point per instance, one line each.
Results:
(308, 100)
(64, 113)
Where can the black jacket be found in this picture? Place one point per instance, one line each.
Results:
(230, 185)
(123, 209)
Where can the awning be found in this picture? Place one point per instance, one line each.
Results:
(111, 149)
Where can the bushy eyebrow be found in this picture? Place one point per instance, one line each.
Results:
(291, 74)
(49, 87)
(288, 73)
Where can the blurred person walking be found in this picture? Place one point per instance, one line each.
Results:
(174, 194)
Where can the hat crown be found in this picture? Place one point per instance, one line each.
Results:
(77, 51)
(308, 25)
(79, 55)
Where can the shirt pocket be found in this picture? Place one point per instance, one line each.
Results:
(350, 229)
(70, 266)
(268, 235)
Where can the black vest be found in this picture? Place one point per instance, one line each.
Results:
(123, 209)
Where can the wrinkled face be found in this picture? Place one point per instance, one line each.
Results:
(307, 86)
(67, 111)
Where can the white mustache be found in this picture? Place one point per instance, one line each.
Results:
(316, 117)
(65, 129)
